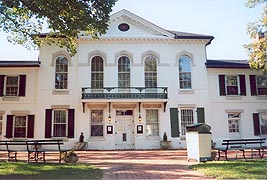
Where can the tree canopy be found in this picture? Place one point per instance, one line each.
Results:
(257, 49)
(65, 19)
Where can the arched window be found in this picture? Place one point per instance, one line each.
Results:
(97, 72)
(185, 72)
(124, 72)
(61, 73)
(150, 72)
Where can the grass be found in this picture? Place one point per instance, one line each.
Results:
(254, 169)
(21, 170)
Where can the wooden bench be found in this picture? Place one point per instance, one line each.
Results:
(241, 145)
(40, 147)
(36, 149)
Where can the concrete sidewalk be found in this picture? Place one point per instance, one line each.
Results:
(151, 164)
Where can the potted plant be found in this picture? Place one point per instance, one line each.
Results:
(70, 157)
(165, 144)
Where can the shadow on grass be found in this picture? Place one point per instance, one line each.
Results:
(251, 169)
(19, 170)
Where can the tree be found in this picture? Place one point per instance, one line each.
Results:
(257, 50)
(65, 19)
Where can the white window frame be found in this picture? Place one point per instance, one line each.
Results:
(14, 126)
(152, 123)
(53, 123)
(124, 82)
(102, 123)
(260, 85)
(183, 72)
(189, 122)
(99, 72)
(235, 85)
(6, 86)
(62, 73)
(263, 122)
(151, 75)
(236, 120)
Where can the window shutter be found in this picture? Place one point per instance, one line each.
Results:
(2, 84)
(9, 126)
(174, 122)
(242, 82)
(253, 89)
(71, 116)
(256, 124)
(200, 115)
(30, 133)
(48, 123)
(222, 85)
(22, 85)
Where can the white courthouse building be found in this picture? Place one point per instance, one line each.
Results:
(125, 89)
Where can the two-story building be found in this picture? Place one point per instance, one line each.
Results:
(125, 89)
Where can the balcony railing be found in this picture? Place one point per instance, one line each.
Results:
(125, 93)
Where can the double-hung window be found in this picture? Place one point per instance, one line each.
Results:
(150, 72)
(97, 73)
(152, 122)
(60, 123)
(61, 73)
(12, 85)
(97, 123)
(262, 85)
(185, 80)
(263, 123)
(20, 126)
(233, 122)
(187, 118)
(231, 85)
(124, 72)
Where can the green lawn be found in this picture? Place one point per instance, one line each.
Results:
(20, 170)
(251, 169)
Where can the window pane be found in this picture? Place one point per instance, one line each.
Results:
(262, 85)
(60, 123)
(263, 123)
(61, 74)
(124, 72)
(97, 121)
(150, 72)
(20, 127)
(152, 125)
(185, 72)
(97, 73)
(97, 130)
(12, 85)
(187, 118)
(233, 122)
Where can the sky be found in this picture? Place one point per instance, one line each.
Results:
(226, 20)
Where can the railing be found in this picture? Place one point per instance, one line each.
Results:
(125, 93)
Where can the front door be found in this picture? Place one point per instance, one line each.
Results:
(124, 132)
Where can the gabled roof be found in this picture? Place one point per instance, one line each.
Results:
(237, 64)
(19, 63)
(161, 31)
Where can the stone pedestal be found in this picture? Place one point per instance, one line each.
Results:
(80, 146)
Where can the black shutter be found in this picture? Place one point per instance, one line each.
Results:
(253, 88)
(9, 126)
(30, 132)
(222, 85)
(200, 115)
(174, 122)
(242, 82)
(2, 85)
(22, 85)
(256, 124)
(71, 117)
(48, 123)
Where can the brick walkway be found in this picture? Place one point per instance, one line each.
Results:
(154, 164)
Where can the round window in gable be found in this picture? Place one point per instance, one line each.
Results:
(124, 27)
